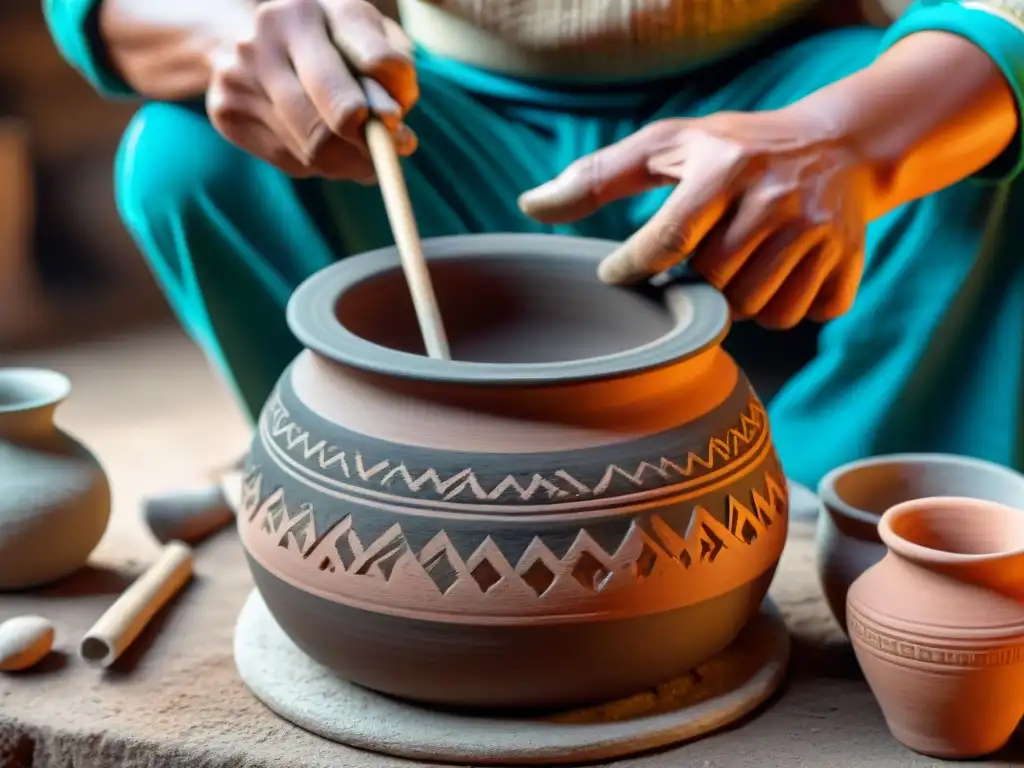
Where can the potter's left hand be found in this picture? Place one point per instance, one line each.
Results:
(767, 206)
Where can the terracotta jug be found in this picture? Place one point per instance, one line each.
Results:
(54, 495)
(938, 625)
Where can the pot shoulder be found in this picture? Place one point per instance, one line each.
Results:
(900, 605)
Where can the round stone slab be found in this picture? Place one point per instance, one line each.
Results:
(711, 697)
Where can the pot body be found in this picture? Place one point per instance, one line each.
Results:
(54, 496)
(845, 550)
(521, 546)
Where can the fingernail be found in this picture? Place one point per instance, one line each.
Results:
(316, 141)
(406, 140)
(615, 269)
(538, 196)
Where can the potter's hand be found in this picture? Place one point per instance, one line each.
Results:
(291, 93)
(766, 206)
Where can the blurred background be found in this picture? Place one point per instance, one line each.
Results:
(68, 269)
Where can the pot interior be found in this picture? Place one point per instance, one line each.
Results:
(875, 487)
(510, 310)
(961, 528)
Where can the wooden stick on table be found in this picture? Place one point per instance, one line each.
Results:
(407, 237)
(132, 611)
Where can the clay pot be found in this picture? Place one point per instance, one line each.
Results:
(584, 503)
(854, 496)
(54, 495)
(938, 625)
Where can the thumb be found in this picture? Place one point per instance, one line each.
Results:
(592, 182)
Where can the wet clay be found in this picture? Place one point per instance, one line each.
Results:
(591, 472)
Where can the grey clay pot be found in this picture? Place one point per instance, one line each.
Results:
(54, 495)
(855, 495)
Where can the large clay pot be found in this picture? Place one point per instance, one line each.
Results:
(584, 503)
(854, 496)
(938, 625)
(54, 495)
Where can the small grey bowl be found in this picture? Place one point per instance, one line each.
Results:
(854, 496)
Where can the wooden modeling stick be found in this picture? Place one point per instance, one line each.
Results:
(129, 615)
(403, 225)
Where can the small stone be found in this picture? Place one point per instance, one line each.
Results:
(24, 642)
(189, 515)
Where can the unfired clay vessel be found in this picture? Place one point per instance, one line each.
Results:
(938, 625)
(854, 496)
(54, 495)
(583, 503)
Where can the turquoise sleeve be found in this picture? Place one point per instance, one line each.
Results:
(74, 26)
(995, 26)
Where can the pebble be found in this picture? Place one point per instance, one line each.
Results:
(24, 642)
(189, 515)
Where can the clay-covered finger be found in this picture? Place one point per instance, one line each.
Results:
(292, 105)
(406, 140)
(358, 31)
(332, 88)
(617, 171)
(340, 159)
(791, 303)
(672, 234)
(769, 267)
(258, 139)
(837, 295)
(728, 247)
(241, 113)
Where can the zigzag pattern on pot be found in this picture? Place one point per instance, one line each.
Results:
(648, 545)
(559, 484)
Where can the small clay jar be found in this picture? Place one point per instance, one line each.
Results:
(54, 495)
(854, 496)
(938, 625)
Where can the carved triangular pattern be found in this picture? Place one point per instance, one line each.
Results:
(645, 545)
(384, 473)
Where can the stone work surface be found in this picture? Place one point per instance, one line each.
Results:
(177, 701)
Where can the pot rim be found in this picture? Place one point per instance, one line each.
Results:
(701, 313)
(921, 553)
(45, 388)
(834, 504)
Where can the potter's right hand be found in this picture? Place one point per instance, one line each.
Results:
(293, 92)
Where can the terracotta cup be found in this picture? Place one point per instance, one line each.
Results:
(854, 496)
(938, 625)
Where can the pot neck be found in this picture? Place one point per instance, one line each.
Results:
(29, 398)
(30, 424)
(968, 540)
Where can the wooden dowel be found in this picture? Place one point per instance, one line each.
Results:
(407, 238)
(129, 615)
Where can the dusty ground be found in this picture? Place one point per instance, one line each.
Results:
(155, 414)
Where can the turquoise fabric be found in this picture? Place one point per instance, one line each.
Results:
(930, 358)
(74, 25)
